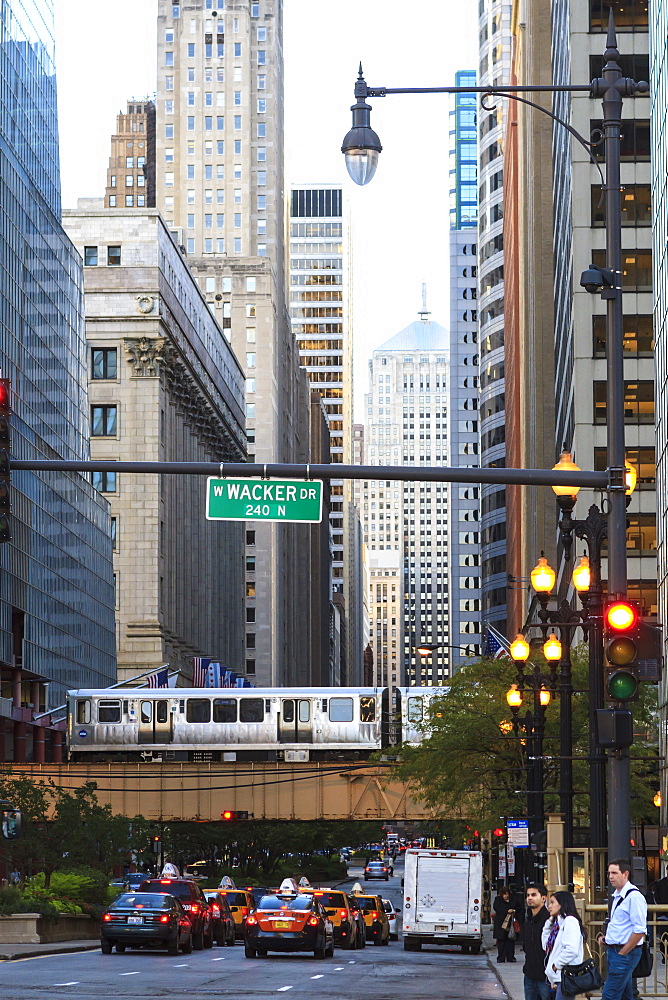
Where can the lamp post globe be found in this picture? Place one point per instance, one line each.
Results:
(582, 575)
(566, 464)
(552, 648)
(514, 697)
(543, 576)
(519, 648)
(630, 478)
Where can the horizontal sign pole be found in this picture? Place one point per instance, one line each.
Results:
(407, 473)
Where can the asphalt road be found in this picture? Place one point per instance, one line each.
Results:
(371, 974)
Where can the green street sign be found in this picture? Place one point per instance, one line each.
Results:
(298, 500)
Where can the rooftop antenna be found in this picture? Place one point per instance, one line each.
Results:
(424, 313)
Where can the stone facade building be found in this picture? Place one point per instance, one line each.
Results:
(164, 385)
(131, 171)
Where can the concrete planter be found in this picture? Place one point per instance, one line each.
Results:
(33, 928)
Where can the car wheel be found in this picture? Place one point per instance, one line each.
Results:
(188, 946)
(198, 940)
(378, 938)
(220, 940)
(232, 940)
(208, 939)
(387, 878)
(120, 948)
(386, 940)
(465, 949)
(329, 952)
(106, 947)
(249, 951)
(475, 948)
(172, 948)
(262, 953)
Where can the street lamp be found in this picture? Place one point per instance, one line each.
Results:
(362, 146)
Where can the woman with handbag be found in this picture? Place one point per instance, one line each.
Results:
(504, 926)
(563, 939)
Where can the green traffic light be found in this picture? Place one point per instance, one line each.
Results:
(622, 685)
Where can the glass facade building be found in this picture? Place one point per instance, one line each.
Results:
(56, 589)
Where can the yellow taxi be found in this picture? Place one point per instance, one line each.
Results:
(241, 903)
(375, 917)
(337, 908)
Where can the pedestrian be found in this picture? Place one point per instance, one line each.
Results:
(624, 933)
(15, 877)
(504, 926)
(536, 986)
(563, 938)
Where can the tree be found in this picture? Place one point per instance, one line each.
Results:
(471, 764)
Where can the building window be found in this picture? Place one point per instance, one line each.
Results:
(250, 667)
(630, 15)
(638, 336)
(237, 244)
(90, 256)
(643, 461)
(261, 154)
(169, 58)
(113, 533)
(112, 181)
(169, 131)
(250, 359)
(103, 362)
(635, 140)
(208, 123)
(638, 402)
(262, 178)
(112, 201)
(261, 105)
(636, 269)
(262, 252)
(237, 50)
(103, 421)
(191, 50)
(261, 130)
(104, 482)
(169, 83)
(113, 256)
(169, 179)
(636, 207)
(262, 57)
(129, 201)
(191, 123)
(261, 81)
(255, 9)
(190, 245)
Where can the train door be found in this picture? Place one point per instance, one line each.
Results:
(294, 721)
(155, 722)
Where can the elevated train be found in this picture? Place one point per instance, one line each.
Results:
(228, 724)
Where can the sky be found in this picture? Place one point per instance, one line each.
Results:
(400, 220)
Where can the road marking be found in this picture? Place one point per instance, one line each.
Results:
(282, 989)
(183, 965)
(339, 968)
(321, 976)
(351, 962)
(75, 983)
(129, 973)
(217, 959)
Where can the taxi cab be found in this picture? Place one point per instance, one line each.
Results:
(286, 920)
(337, 908)
(241, 903)
(375, 917)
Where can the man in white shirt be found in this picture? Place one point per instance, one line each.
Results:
(624, 934)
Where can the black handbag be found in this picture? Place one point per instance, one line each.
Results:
(644, 967)
(583, 978)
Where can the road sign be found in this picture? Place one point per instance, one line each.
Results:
(298, 500)
(518, 832)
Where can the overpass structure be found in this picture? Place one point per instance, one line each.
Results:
(186, 792)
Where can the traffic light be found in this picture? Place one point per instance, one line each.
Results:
(156, 845)
(232, 814)
(622, 624)
(5, 442)
(614, 728)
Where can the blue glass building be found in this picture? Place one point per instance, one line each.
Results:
(56, 579)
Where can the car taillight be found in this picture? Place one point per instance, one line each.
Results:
(194, 908)
(106, 917)
(344, 914)
(244, 911)
(374, 915)
(165, 881)
(164, 919)
(313, 921)
(251, 920)
(215, 908)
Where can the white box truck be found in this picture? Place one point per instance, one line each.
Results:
(442, 898)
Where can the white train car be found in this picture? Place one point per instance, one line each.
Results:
(413, 708)
(195, 724)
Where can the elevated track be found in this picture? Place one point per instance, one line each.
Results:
(183, 792)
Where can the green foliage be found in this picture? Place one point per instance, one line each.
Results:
(12, 900)
(471, 765)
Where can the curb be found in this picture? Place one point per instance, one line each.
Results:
(65, 949)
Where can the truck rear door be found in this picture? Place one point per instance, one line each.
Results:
(443, 892)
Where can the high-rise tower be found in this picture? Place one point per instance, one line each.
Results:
(219, 180)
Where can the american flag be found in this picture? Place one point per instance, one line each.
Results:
(496, 644)
(200, 665)
(159, 679)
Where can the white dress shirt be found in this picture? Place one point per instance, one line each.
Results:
(628, 915)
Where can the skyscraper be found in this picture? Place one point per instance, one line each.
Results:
(57, 605)
(494, 33)
(406, 524)
(321, 314)
(219, 180)
(463, 440)
(131, 171)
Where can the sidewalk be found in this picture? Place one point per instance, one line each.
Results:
(510, 975)
(12, 952)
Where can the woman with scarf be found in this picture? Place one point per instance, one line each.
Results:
(563, 938)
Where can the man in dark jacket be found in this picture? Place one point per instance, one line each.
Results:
(536, 986)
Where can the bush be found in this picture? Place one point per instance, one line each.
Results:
(12, 900)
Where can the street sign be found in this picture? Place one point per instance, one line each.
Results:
(290, 500)
(506, 853)
(518, 832)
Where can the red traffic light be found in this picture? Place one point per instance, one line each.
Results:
(499, 832)
(228, 814)
(5, 386)
(621, 616)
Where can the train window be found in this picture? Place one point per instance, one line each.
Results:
(288, 711)
(109, 711)
(415, 709)
(224, 710)
(368, 709)
(340, 709)
(198, 710)
(83, 712)
(304, 711)
(145, 711)
(251, 710)
(161, 711)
